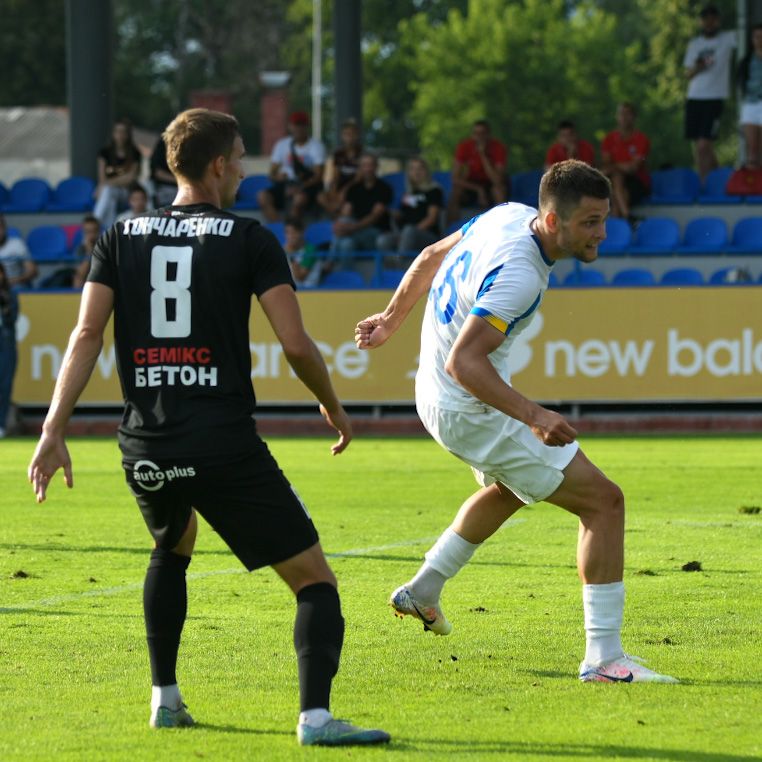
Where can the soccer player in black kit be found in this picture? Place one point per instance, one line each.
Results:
(180, 281)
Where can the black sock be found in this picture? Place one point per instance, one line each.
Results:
(165, 602)
(318, 636)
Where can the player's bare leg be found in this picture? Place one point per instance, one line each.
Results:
(620, 206)
(478, 518)
(165, 603)
(318, 638)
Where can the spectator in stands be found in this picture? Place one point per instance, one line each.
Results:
(707, 65)
(164, 182)
(306, 266)
(569, 145)
(750, 81)
(296, 169)
(91, 232)
(417, 220)
(20, 270)
(365, 214)
(137, 202)
(8, 313)
(479, 172)
(118, 168)
(624, 152)
(343, 169)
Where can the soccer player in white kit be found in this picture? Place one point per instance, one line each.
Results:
(485, 283)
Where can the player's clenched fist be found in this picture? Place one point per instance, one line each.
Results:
(553, 429)
(371, 332)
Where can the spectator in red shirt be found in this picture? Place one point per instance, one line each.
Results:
(624, 153)
(569, 145)
(478, 174)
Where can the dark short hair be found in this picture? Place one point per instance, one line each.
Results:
(294, 222)
(629, 105)
(91, 218)
(709, 10)
(565, 184)
(482, 123)
(196, 137)
(566, 124)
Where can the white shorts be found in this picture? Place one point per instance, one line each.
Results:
(751, 113)
(500, 449)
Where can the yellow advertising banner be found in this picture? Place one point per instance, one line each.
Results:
(630, 345)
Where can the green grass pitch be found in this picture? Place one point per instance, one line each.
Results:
(74, 679)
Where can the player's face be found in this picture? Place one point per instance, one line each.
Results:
(756, 39)
(233, 173)
(581, 234)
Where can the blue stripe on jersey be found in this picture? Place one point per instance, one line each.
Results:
(533, 307)
(466, 227)
(548, 262)
(489, 280)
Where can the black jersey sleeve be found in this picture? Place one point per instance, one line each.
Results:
(270, 265)
(103, 260)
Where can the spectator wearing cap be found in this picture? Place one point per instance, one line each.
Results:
(707, 65)
(569, 145)
(296, 169)
(20, 269)
(343, 168)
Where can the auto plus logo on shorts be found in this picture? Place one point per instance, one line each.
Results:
(152, 478)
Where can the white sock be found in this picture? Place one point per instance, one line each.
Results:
(315, 718)
(165, 695)
(604, 608)
(449, 554)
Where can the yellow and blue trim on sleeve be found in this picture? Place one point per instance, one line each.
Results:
(502, 325)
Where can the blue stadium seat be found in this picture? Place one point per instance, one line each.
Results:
(397, 181)
(444, 179)
(75, 194)
(747, 236)
(319, 234)
(674, 186)
(714, 191)
(553, 281)
(278, 229)
(525, 187)
(618, 237)
(457, 225)
(704, 235)
(4, 195)
(343, 279)
(250, 186)
(656, 235)
(585, 277)
(47, 243)
(730, 276)
(28, 195)
(682, 276)
(634, 276)
(387, 279)
(13, 232)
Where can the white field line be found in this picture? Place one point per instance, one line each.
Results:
(106, 591)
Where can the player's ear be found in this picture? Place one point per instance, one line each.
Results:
(218, 165)
(551, 221)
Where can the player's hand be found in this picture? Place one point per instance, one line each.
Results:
(553, 429)
(372, 332)
(50, 455)
(340, 421)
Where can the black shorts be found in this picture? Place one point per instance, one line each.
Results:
(278, 192)
(702, 119)
(247, 501)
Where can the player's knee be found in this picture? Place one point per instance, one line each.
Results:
(612, 498)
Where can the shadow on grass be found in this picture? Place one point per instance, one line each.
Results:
(38, 612)
(143, 551)
(417, 560)
(566, 751)
(248, 731)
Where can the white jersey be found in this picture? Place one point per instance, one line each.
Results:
(497, 271)
(713, 83)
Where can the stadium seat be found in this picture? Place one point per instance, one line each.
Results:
(278, 229)
(618, 237)
(714, 191)
(682, 276)
(4, 195)
(585, 277)
(75, 194)
(246, 198)
(343, 279)
(747, 236)
(27, 196)
(674, 186)
(553, 281)
(47, 243)
(397, 181)
(457, 225)
(319, 234)
(444, 179)
(704, 235)
(387, 279)
(525, 187)
(634, 276)
(13, 233)
(730, 276)
(656, 235)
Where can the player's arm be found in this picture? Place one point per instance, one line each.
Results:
(468, 363)
(376, 329)
(282, 311)
(84, 347)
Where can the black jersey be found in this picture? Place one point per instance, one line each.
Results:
(183, 278)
